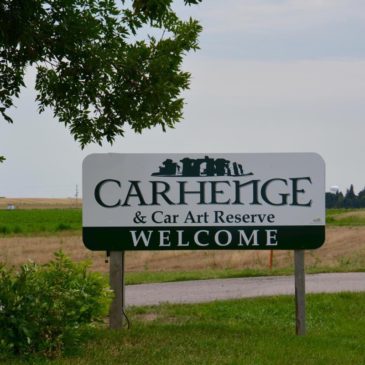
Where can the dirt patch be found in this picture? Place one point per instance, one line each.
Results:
(344, 245)
(40, 203)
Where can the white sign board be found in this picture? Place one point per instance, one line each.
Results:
(203, 201)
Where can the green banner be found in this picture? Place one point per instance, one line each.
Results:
(204, 238)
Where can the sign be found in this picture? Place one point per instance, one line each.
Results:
(203, 201)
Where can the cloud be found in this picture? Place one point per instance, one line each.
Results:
(281, 29)
(266, 15)
(251, 84)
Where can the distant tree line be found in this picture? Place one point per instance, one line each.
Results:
(349, 200)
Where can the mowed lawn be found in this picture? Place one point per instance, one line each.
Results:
(251, 331)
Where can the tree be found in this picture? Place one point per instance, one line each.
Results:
(361, 198)
(331, 200)
(99, 64)
(350, 200)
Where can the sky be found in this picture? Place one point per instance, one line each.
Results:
(271, 76)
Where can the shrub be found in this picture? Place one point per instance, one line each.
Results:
(44, 306)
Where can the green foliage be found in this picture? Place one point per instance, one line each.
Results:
(349, 201)
(100, 64)
(35, 221)
(44, 307)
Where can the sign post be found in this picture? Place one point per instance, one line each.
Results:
(299, 292)
(222, 201)
(117, 284)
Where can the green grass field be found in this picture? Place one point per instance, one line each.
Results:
(48, 221)
(251, 331)
(39, 221)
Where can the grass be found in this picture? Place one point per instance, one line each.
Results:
(345, 217)
(251, 331)
(145, 277)
(344, 251)
(48, 221)
(36, 234)
(36, 221)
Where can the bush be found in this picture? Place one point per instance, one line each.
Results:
(44, 306)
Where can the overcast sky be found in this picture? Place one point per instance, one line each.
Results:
(271, 76)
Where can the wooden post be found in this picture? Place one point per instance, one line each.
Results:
(299, 292)
(116, 272)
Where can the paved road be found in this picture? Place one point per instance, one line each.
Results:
(199, 291)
